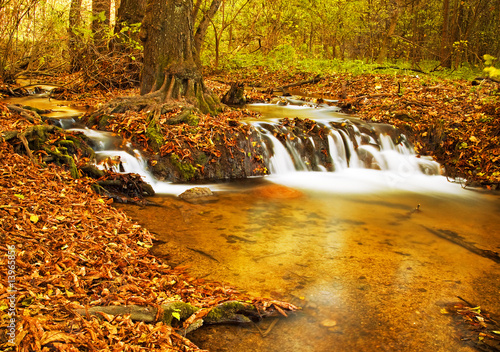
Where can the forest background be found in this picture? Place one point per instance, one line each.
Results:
(304, 35)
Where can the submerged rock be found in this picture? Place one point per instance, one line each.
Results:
(198, 195)
(277, 192)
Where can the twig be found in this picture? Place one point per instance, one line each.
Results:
(467, 302)
(22, 137)
(268, 330)
(203, 253)
(470, 246)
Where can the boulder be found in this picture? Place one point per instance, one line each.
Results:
(198, 195)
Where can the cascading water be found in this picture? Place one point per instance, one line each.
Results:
(370, 149)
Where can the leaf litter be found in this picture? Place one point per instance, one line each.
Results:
(75, 251)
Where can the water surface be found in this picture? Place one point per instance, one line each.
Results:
(368, 273)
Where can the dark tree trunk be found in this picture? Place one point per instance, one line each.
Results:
(130, 12)
(101, 11)
(74, 38)
(171, 65)
(204, 23)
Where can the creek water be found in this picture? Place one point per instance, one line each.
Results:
(350, 247)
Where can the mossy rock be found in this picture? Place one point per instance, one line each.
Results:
(200, 158)
(104, 121)
(186, 116)
(231, 312)
(186, 171)
(175, 312)
(155, 137)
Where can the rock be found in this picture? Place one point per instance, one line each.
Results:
(328, 323)
(198, 195)
(277, 192)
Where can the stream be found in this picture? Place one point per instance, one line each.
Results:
(355, 247)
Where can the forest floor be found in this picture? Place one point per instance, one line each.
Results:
(72, 250)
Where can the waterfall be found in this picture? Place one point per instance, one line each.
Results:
(336, 146)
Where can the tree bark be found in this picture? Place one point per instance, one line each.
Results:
(171, 65)
(101, 12)
(390, 32)
(130, 12)
(74, 39)
(204, 23)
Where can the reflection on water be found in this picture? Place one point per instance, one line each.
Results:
(367, 273)
(59, 109)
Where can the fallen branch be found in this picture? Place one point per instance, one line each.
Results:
(371, 96)
(316, 79)
(32, 115)
(399, 68)
(173, 314)
(476, 327)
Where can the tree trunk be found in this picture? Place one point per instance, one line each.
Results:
(171, 65)
(126, 43)
(390, 32)
(130, 12)
(101, 12)
(203, 26)
(74, 38)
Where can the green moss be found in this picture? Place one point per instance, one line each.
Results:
(201, 158)
(212, 104)
(64, 159)
(173, 311)
(155, 137)
(103, 121)
(186, 170)
(193, 120)
(202, 104)
(186, 116)
(229, 311)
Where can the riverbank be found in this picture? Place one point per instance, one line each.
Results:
(76, 251)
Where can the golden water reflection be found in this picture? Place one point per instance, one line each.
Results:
(367, 272)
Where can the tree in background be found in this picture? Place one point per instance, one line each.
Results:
(74, 38)
(101, 19)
